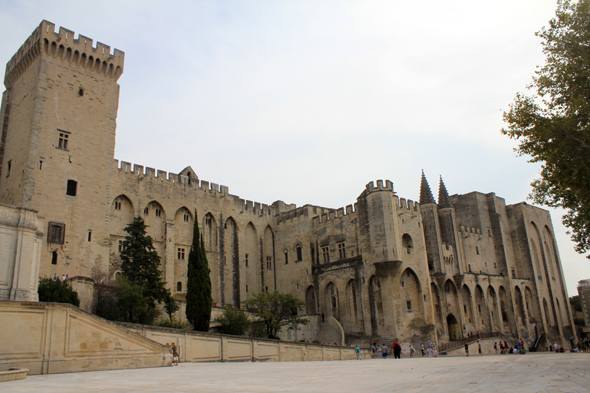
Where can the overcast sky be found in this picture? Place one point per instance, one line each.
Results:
(307, 101)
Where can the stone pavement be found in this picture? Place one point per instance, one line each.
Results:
(545, 372)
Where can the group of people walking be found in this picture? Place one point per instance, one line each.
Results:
(396, 350)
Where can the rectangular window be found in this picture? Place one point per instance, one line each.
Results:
(146, 211)
(63, 140)
(465, 308)
(269, 263)
(299, 254)
(246, 288)
(117, 205)
(158, 213)
(121, 246)
(56, 233)
(409, 305)
(479, 308)
(286, 258)
(89, 235)
(186, 217)
(477, 250)
(180, 253)
(246, 261)
(342, 250)
(72, 188)
(513, 273)
(326, 254)
(207, 220)
(9, 166)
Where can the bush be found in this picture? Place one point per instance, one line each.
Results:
(233, 321)
(57, 291)
(184, 325)
(124, 301)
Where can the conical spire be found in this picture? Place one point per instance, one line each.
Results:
(425, 193)
(443, 195)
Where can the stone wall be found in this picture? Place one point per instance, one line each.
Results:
(50, 338)
(211, 347)
(20, 252)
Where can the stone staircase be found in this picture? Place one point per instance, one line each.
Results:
(329, 334)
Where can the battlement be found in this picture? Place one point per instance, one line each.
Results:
(78, 52)
(370, 187)
(335, 214)
(408, 205)
(469, 231)
(172, 179)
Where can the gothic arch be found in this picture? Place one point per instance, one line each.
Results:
(155, 219)
(376, 303)
(407, 243)
(452, 296)
(232, 262)
(331, 301)
(211, 241)
(310, 301)
(520, 311)
(412, 294)
(482, 310)
(436, 303)
(252, 262)
(468, 308)
(122, 214)
(183, 239)
(268, 255)
(495, 313)
(352, 309)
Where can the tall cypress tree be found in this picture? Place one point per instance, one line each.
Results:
(198, 286)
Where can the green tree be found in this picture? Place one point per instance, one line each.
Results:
(575, 303)
(57, 291)
(198, 286)
(233, 321)
(276, 310)
(552, 125)
(140, 264)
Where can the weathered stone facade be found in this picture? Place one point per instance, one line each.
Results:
(383, 267)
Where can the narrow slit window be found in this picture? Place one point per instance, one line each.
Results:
(89, 236)
(54, 257)
(9, 166)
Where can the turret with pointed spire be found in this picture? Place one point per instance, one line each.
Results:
(425, 193)
(443, 195)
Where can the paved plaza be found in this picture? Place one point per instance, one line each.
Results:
(546, 372)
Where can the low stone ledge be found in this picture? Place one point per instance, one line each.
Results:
(13, 374)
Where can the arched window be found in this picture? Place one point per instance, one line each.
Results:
(179, 287)
(407, 243)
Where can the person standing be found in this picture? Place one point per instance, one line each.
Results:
(358, 352)
(384, 351)
(496, 347)
(174, 351)
(422, 349)
(466, 349)
(411, 351)
(397, 350)
(479, 347)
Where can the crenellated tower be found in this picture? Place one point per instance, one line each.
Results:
(58, 116)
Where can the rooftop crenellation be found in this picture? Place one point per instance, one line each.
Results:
(79, 52)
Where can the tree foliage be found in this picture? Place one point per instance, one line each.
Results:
(575, 303)
(276, 310)
(57, 291)
(233, 321)
(140, 264)
(124, 301)
(198, 286)
(552, 125)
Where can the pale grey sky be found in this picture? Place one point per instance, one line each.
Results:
(307, 101)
